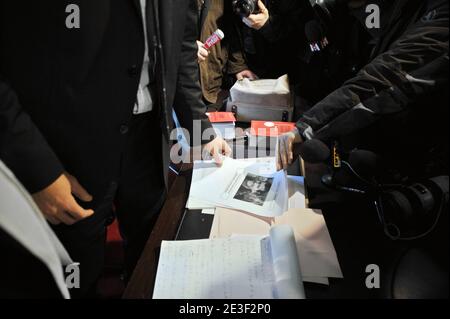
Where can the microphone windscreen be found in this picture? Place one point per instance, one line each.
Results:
(314, 151)
(365, 163)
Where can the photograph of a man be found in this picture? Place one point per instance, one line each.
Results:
(254, 189)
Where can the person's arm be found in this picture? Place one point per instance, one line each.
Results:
(22, 147)
(25, 151)
(188, 103)
(237, 64)
(416, 64)
(236, 61)
(290, 17)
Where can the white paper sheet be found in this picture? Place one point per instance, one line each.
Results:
(251, 186)
(209, 211)
(202, 169)
(232, 268)
(316, 252)
(318, 256)
(286, 268)
(296, 186)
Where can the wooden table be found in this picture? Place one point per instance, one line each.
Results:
(143, 279)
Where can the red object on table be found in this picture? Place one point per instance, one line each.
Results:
(270, 129)
(221, 117)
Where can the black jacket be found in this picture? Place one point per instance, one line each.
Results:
(402, 92)
(67, 95)
(273, 50)
(226, 58)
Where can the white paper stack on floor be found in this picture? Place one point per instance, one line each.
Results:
(317, 256)
(249, 185)
(248, 267)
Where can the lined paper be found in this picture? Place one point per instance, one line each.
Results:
(214, 269)
(244, 267)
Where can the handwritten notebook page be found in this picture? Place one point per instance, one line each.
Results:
(215, 269)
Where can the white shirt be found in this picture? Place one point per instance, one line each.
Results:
(144, 101)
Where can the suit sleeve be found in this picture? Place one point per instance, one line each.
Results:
(236, 60)
(416, 64)
(188, 103)
(22, 147)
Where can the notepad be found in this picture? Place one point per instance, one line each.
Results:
(243, 267)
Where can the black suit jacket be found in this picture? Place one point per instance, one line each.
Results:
(66, 93)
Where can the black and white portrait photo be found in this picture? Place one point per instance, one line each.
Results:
(254, 189)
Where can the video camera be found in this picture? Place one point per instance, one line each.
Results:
(408, 210)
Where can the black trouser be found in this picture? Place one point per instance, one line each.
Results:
(137, 195)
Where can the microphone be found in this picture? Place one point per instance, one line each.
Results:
(314, 151)
(215, 38)
(364, 163)
(361, 165)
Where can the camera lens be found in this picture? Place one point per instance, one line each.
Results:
(244, 8)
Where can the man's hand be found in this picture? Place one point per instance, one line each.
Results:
(257, 21)
(202, 53)
(217, 149)
(285, 152)
(246, 74)
(57, 203)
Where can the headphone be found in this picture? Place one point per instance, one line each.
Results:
(399, 206)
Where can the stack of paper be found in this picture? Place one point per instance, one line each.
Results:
(249, 185)
(249, 267)
(317, 256)
(233, 217)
